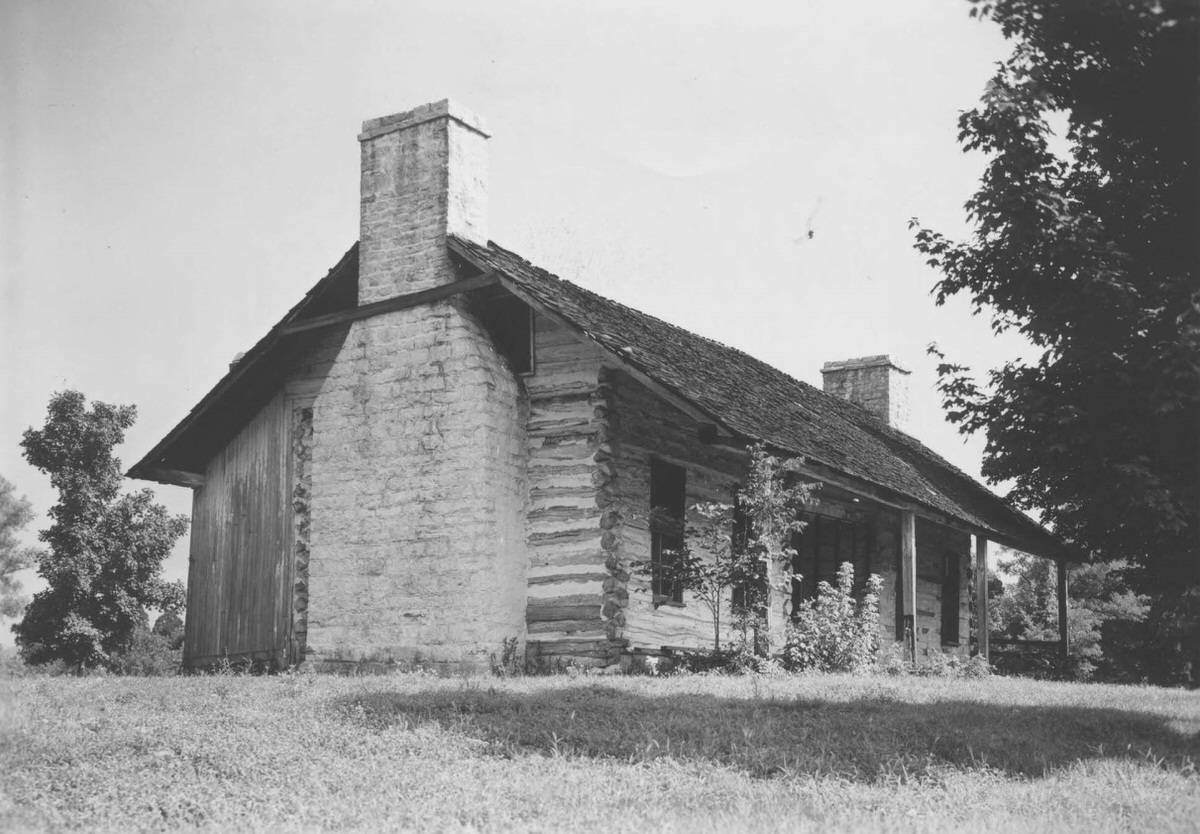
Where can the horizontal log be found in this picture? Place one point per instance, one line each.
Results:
(558, 578)
(567, 607)
(555, 537)
(574, 627)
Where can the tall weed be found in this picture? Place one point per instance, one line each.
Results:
(835, 632)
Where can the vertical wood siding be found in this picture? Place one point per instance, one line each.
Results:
(239, 596)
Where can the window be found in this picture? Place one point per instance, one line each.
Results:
(951, 574)
(668, 493)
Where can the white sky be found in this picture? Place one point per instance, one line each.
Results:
(175, 175)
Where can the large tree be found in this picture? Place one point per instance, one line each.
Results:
(103, 566)
(1088, 243)
(15, 513)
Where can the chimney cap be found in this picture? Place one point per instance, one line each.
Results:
(882, 360)
(446, 108)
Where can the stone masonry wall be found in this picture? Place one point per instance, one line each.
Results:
(417, 549)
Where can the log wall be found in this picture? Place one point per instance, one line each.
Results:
(567, 436)
(643, 426)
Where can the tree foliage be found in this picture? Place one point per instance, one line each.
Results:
(1087, 244)
(1104, 617)
(103, 566)
(15, 513)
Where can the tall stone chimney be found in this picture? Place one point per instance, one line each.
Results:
(874, 383)
(417, 514)
(424, 175)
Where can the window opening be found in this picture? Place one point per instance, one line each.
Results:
(668, 494)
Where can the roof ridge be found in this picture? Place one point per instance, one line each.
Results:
(548, 274)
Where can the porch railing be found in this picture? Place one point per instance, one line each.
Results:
(1040, 658)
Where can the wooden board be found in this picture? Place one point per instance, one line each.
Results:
(238, 599)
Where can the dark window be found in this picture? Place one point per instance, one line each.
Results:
(950, 598)
(668, 493)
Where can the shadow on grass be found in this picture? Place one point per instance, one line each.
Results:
(871, 738)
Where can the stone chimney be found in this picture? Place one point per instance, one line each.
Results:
(874, 383)
(424, 175)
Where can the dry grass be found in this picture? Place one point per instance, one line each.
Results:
(588, 753)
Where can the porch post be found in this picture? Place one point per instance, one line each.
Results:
(981, 596)
(1064, 641)
(908, 564)
(776, 600)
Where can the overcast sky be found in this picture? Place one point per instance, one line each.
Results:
(175, 175)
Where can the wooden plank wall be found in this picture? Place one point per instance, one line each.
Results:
(567, 563)
(238, 594)
(649, 427)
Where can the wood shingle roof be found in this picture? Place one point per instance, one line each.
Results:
(754, 400)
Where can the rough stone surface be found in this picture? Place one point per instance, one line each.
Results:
(874, 383)
(418, 504)
(424, 175)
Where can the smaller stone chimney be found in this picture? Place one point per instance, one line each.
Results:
(874, 383)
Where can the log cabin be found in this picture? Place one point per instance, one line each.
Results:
(443, 450)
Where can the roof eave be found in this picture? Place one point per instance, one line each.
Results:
(155, 465)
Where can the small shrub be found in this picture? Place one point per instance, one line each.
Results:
(937, 665)
(835, 632)
(894, 661)
(510, 662)
(738, 659)
(148, 654)
(976, 666)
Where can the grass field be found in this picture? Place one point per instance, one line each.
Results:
(595, 753)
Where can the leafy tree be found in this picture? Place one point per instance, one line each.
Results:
(1087, 244)
(169, 626)
(103, 567)
(15, 513)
